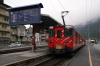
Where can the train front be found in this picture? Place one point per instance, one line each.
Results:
(56, 40)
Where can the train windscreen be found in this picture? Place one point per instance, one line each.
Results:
(59, 34)
(51, 33)
(68, 32)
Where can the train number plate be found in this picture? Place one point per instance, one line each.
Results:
(59, 46)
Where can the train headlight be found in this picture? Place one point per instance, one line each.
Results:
(51, 40)
(66, 41)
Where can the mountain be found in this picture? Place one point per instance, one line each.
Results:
(90, 30)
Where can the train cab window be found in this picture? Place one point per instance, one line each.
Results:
(68, 32)
(59, 34)
(51, 33)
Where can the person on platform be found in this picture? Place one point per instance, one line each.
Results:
(33, 44)
(32, 41)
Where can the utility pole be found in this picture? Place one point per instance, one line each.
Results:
(88, 35)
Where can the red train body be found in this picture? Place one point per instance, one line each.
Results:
(64, 39)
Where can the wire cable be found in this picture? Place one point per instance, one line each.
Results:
(91, 11)
(65, 10)
(86, 12)
(94, 6)
(61, 5)
(54, 7)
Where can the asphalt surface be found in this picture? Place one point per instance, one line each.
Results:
(95, 54)
(82, 57)
(14, 57)
(17, 56)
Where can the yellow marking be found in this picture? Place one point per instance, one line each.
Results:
(90, 60)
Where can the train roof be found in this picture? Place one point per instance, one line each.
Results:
(69, 26)
(66, 26)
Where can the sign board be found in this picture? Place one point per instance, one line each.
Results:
(25, 15)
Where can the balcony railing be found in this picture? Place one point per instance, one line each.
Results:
(4, 22)
(3, 13)
(5, 30)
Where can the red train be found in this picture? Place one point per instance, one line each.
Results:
(64, 39)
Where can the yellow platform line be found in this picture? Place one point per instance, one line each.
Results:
(90, 60)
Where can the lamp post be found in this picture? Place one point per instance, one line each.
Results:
(63, 13)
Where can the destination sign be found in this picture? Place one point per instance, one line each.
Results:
(23, 17)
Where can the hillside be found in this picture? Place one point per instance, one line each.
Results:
(92, 30)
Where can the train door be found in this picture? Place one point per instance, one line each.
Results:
(59, 37)
(51, 38)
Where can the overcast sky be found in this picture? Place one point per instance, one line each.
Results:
(80, 11)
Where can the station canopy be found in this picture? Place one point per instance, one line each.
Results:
(47, 21)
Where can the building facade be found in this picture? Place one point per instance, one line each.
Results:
(5, 32)
(18, 33)
(9, 33)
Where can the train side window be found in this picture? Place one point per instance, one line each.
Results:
(51, 33)
(68, 32)
(76, 37)
(59, 34)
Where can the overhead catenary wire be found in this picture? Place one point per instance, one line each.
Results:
(86, 12)
(94, 7)
(65, 10)
(54, 7)
(91, 11)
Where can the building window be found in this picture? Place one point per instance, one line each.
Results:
(5, 19)
(4, 26)
(3, 34)
(68, 32)
(51, 33)
(59, 34)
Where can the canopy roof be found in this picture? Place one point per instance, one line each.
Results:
(47, 21)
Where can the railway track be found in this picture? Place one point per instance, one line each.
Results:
(56, 61)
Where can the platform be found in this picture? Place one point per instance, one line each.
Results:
(89, 55)
(18, 56)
